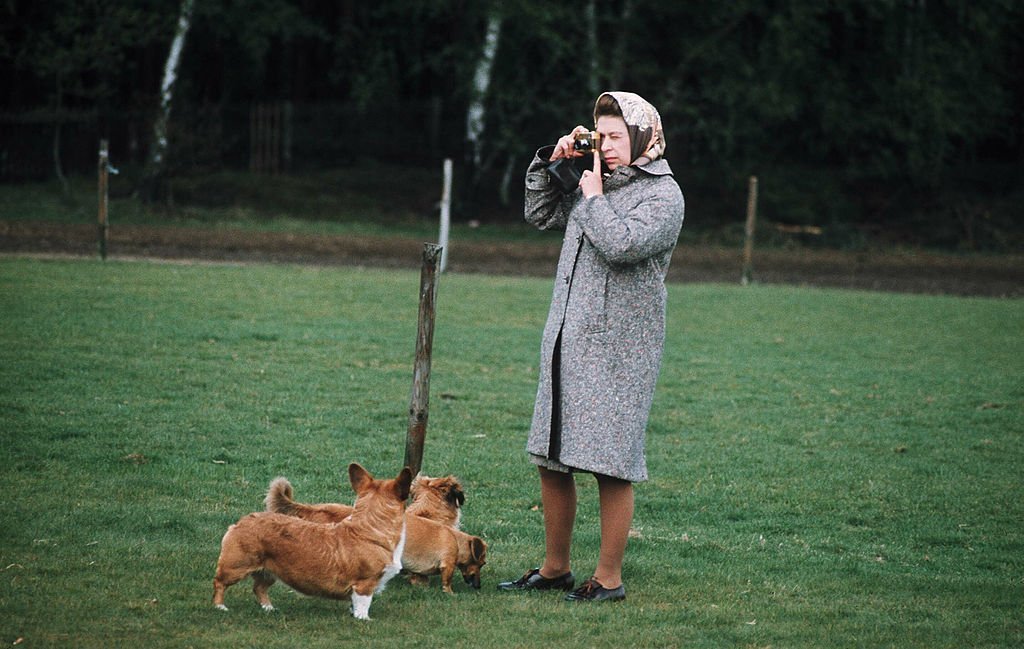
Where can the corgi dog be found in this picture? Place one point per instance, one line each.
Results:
(433, 546)
(439, 499)
(435, 549)
(353, 557)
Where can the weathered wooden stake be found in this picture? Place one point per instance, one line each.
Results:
(104, 169)
(748, 245)
(420, 401)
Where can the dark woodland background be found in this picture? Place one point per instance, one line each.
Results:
(901, 121)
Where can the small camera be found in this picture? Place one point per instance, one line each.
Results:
(565, 173)
(587, 141)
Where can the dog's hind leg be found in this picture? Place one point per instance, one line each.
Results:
(361, 605)
(218, 594)
(232, 567)
(262, 580)
(223, 580)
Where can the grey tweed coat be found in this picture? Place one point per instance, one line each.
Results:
(607, 316)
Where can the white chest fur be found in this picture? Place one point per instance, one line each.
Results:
(395, 566)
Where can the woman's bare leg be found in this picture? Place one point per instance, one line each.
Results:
(558, 497)
(616, 498)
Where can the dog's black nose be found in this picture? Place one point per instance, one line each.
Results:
(473, 580)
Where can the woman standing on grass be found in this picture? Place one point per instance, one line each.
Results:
(602, 344)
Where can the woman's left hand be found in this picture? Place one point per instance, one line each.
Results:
(591, 182)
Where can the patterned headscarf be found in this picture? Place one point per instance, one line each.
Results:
(646, 136)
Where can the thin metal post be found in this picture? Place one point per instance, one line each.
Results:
(446, 212)
(420, 401)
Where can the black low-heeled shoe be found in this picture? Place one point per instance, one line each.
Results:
(533, 580)
(593, 591)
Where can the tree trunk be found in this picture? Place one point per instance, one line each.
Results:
(505, 187)
(593, 78)
(153, 179)
(476, 116)
(621, 51)
(57, 123)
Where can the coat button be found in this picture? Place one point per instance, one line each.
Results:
(566, 279)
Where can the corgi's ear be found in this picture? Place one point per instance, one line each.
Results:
(479, 549)
(417, 483)
(402, 483)
(455, 496)
(359, 477)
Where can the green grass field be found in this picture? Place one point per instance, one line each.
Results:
(828, 468)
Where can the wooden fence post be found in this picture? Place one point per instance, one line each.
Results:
(748, 245)
(104, 194)
(419, 403)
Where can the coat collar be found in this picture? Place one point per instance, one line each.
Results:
(659, 167)
(622, 175)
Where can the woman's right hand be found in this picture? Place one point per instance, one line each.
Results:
(565, 147)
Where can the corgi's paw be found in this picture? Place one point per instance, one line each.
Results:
(361, 606)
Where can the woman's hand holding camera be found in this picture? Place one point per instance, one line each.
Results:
(565, 147)
(591, 182)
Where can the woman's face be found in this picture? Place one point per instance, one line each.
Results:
(614, 141)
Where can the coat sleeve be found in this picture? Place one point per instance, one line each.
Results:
(631, 235)
(546, 207)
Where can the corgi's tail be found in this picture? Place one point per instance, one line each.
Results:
(279, 497)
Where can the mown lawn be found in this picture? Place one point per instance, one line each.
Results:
(828, 468)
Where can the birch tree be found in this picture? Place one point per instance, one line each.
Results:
(158, 149)
(476, 116)
(593, 50)
(617, 62)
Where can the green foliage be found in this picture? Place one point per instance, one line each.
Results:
(890, 89)
(828, 468)
(82, 49)
(897, 96)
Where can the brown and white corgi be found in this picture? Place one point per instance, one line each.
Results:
(354, 557)
(434, 545)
